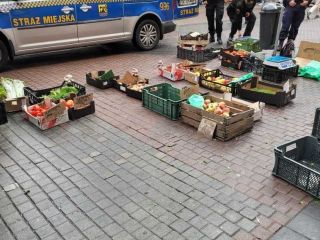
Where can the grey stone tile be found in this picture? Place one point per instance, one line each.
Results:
(229, 228)
(232, 216)
(313, 210)
(306, 225)
(249, 213)
(246, 224)
(287, 234)
(192, 234)
(211, 231)
(180, 225)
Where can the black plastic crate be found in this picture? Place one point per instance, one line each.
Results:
(134, 94)
(298, 162)
(227, 56)
(101, 84)
(203, 82)
(36, 96)
(3, 114)
(229, 64)
(79, 113)
(198, 55)
(280, 99)
(252, 64)
(276, 75)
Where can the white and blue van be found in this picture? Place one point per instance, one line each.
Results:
(35, 26)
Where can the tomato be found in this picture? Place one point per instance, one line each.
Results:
(33, 113)
(69, 104)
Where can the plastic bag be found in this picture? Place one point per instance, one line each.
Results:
(196, 100)
(311, 70)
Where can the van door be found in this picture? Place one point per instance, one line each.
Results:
(99, 21)
(43, 25)
(185, 8)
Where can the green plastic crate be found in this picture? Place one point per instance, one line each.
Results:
(164, 99)
(247, 44)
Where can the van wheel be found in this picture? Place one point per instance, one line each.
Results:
(147, 35)
(4, 56)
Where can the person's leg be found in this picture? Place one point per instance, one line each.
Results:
(234, 19)
(286, 23)
(210, 18)
(250, 25)
(297, 20)
(219, 16)
(231, 15)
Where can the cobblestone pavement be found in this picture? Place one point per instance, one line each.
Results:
(128, 173)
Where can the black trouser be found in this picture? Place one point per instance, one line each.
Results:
(211, 11)
(291, 21)
(236, 22)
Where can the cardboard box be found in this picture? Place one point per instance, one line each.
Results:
(55, 116)
(307, 51)
(15, 105)
(176, 76)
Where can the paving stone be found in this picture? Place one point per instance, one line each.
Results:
(192, 234)
(167, 218)
(174, 236)
(215, 219)
(185, 214)
(113, 229)
(161, 230)
(287, 234)
(224, 237)
(246, 224)
(150, 222)
(249, 213)
(123, 236)
(142, 233)
(229, 228)
(131, 226)
(180, 225)
(265, 210)
(211, 231)
(232, 216)
(306, 225)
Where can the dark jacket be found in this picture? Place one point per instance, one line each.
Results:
(243, 5)
(298, 2)
(214, 2)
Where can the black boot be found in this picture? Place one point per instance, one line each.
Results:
(219, 41)
(212, 40)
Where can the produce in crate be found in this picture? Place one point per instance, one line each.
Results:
(239, 53)
(69, 103)
(3, 93)
(219, 108)
(62, 93)
(13, 88)
(37, 110)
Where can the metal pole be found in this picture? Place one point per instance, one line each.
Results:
(278, 30)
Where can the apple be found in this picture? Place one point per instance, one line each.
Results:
(222, 105)
(207, 101)
(226, 110)
(218, 111)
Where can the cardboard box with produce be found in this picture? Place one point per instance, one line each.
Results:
(80, 106)
(47, 114)
(172, 72)
(55, 93)
(268, 92)
(101, 79)
(11, 90)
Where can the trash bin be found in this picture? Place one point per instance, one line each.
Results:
(269, 25)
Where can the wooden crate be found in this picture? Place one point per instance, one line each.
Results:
(227, 128)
